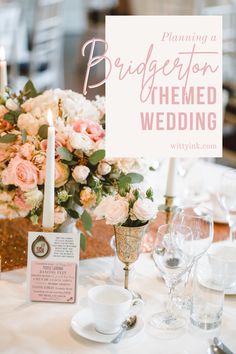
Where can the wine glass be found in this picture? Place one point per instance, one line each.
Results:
(200, 220)
(227, 198)
(172, 263)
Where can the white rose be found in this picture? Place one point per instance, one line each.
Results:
(80, 174)
(144, 209)
(60, 215)
(100, 210)
(34, 198)
(104, 168)
(117, 211)
(29, 123)
(81, 141)
(11, 104)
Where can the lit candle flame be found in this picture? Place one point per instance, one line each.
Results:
(50, 119)
(2, 54)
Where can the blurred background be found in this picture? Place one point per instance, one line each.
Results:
(43, 41)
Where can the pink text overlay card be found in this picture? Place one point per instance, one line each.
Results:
(163, 85)
(52, 269)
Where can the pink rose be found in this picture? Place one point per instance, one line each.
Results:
(59, 142)
(90, 128)
(27, 150)
(20, 201)
(21, 173)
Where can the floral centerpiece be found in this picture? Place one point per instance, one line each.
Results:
(129, 211)
(83, 176)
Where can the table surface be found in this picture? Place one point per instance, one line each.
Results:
(41, 328)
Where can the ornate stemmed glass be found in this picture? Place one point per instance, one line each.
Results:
(128, 244)
(227, 198)
(172, 262)
(200, 221)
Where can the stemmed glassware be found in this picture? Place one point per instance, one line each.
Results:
(173, 262)
(200, 220)
(227, 199)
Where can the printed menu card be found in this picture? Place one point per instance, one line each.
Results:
(52, 270)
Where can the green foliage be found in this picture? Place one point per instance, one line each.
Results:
(135, 177)
(82, 241)
(29, 90)
(8, 138)
(24, 136)
(96, 157)
(43, 131)
(86, 220)
(149, 194)
(12, 117)
(72, 213)
(64, 153)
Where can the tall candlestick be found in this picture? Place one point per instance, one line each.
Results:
(3, 71)
(48, 204)
(170, 186)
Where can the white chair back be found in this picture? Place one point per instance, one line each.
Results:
(9, 21)
(46, 59)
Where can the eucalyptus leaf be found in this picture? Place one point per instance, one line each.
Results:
(64, 153)
(124, 181)
(135, 177)
(86, 220)
(96, 157)
(70, 163)
(8, 138)
(10, 117)
(82, 241)
(24, 136)
(43, 131)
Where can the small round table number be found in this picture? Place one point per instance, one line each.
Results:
(40, 247)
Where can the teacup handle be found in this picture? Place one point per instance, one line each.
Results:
(136, 307)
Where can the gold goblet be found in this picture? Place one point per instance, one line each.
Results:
(128, 245)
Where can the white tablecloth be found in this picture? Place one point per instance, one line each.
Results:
(40, 328)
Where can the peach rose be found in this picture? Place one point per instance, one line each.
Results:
(4, 152)
(21, 173)
(61, 174)
(29, 123)
(88, 197)
(90, 128)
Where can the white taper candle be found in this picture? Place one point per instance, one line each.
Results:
(170, 186)
(48, 204)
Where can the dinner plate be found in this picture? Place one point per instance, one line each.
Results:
(82, 324)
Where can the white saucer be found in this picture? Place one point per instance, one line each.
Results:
(82, 324)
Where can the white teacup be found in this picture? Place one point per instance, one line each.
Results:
(110, 305)
(222, 259)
